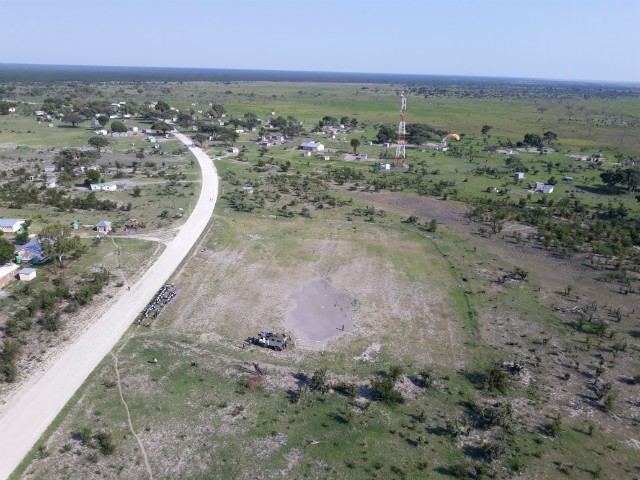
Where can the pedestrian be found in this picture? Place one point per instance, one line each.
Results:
(343, 327)
(128, 287)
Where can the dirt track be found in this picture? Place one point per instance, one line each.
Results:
(24, 418)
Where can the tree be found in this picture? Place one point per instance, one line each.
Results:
(73, 118)
(98, 142)
(93, 176)
(355, 143)
(386, 133)
(161, 125)
(532, 139)
(631, 179)
(162, 106)
(218, 110)
(486, 129)
(612, 178)
(4, 108)
(103, 120)
(550, 136)
(200, 138)
(58, 241)
(118, 126)
(6, 250)
(136, 191)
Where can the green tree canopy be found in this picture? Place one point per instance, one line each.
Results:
(386, 133)
(103, 120)
(73, 118)
(355, 143)
(7, 250)
(58, 241)
(98, 142)
(118, 126)
(93, 176)
(161, 125)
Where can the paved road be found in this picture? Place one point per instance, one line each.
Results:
(31, 410)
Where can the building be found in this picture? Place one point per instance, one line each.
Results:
(31, 252)
(7, 274)
(94, 123)
(90, 166)
(10, 225)
(518, 176)
(539, 187)
(363, 156)
(312, 146)
(132, 128)
(27, 274)
(547, 189)
(233, 150)
(49, 168)
(50, 183)
(104, 187)
(247, 190)
(103, 227)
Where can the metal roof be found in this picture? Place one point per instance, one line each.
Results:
(8, 222)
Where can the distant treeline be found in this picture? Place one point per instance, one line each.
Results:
(52, 73)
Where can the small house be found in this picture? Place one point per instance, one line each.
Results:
(31, 252)
(386, 145)
(39, 113)
(363, 156)
(104, 187)
(12, 109)
(7, 274)
(247, 190)
(50, 183)
(518, 176)
(547, 189)
(10, 225)
(312, 146)
(94, 123)
(103, 227)
(49, 168)
(233, 150)
(306, 154)
(539, 186)
(27, 274)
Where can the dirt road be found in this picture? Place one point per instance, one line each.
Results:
(32, 409)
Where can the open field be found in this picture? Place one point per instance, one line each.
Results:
(473, 346)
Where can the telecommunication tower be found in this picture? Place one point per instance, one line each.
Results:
(401, 158)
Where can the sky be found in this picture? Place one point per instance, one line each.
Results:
(550, 39)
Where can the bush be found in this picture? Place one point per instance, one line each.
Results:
(384, 391)
(319, 381)
(105, 443)
(346, 389)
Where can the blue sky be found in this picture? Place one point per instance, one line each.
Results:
(556, 39)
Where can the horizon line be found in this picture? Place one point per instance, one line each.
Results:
(329, 72)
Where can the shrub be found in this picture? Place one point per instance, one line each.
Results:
(105, 443)
(319, 381)
(346, 389)
(384, 391)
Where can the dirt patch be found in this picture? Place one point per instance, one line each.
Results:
(319, 311)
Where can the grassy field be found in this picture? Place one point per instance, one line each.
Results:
(475, 355)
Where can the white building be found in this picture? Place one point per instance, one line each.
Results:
(104, 187)
(313, 146)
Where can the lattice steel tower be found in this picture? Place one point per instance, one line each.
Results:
(401, 158)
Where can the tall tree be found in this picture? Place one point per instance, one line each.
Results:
(355, 143)
(161, 125)
(486, 129)
(103, 120)
(98, 142)
(200, 138)
(386, 133)
(6, 250)
(118, 126)
(58, 241)
(73, 118)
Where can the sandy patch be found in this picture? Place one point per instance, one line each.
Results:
(320, 311)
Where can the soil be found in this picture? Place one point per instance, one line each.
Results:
(319, 312)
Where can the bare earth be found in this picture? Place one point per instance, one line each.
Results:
(320, 311)
(24, 418)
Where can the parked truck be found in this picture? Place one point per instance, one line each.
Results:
(277, 341)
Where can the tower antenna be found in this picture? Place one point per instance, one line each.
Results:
(401, 157)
